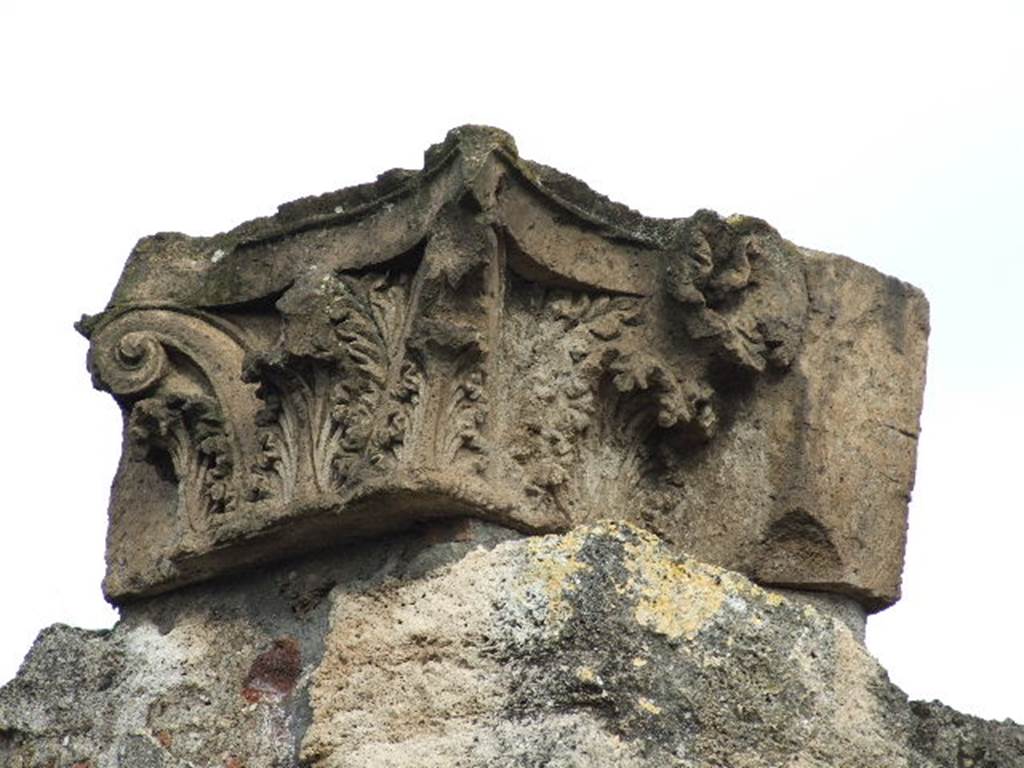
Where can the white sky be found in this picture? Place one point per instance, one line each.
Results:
(891, 132)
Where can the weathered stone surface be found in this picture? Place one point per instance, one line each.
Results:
(488, 337)
(468, 645)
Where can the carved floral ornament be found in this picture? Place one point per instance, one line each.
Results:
(486, 337)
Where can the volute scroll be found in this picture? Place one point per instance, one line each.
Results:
(177, 375)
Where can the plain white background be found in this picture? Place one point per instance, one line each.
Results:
(891, 132)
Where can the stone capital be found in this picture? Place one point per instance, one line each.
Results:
(490, 338)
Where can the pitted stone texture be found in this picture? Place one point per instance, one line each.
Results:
(142, 697)
(491, 338)
(603, 648)
(207, 677)
(465, 645)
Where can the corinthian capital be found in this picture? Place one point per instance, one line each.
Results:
(488, 337)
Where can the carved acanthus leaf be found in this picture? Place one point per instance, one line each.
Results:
(743, 290)
(327, 414)
(379, 383)
(191, 432)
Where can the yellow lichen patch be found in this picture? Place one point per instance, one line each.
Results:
(586, 675)
(648, 706)
(639, 662)
(553, 565)
(674, 599)
(674, 596)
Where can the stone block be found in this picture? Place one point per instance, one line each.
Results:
(466, 644)
(490, 338)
